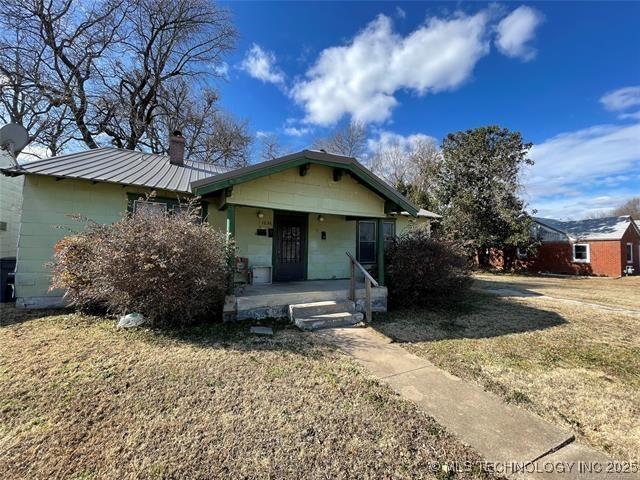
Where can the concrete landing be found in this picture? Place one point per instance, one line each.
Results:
(503, 434)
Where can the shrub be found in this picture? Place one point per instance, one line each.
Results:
(420, 268)
(172, 268)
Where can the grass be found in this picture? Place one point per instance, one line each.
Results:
(575, 365)
(613, 292)
(80, 399)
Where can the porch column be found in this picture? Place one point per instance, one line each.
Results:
(231, 220)
(380, 252)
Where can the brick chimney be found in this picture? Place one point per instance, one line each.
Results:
(176, 148)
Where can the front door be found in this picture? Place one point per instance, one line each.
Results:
(290, 244)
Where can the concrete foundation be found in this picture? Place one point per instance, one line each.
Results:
(272, 301)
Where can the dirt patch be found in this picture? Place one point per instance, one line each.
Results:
(81, 399)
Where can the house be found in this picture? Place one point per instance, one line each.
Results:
(10, 200)
(602, 247)
(294, 218)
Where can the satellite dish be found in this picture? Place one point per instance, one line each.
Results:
(13, 138)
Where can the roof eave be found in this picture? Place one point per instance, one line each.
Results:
(253, 172)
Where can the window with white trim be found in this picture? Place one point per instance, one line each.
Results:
(629, 252)
(581, 252)
(522, 253)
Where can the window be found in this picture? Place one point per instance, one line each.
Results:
(367, 241)
(581, 252)
(389, 233)
(629, 252)
(149, 208)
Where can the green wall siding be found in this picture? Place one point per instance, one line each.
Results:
(256, 248)
(315, 192)
(10, 203)
(327, 258)
(46, 205)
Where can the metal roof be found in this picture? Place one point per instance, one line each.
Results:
(126, 167)
(130, 167)
(608, 228)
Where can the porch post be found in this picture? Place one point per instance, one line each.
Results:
(231, 220)
(380, 252)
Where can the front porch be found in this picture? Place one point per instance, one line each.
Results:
(272, 301)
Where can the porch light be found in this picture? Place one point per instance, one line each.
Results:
(260, 214)
(320, 218)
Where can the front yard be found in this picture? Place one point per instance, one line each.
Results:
(613, 292)
(576, 365)
(80, 399)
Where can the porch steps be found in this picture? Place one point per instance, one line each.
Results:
(328, 314)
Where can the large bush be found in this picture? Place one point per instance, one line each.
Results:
(170, 267)
(420, 268)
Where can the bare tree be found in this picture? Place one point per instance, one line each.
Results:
(409, 167)
(630, 207)
(22, 102)
(212, 135)
(165, 40)
(350, 140)
(270, 147)
(107, 72)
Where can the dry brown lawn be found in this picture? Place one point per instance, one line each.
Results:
(80, 399)
(577, 366)
(613, 292)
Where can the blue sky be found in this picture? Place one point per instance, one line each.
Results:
(567, 75)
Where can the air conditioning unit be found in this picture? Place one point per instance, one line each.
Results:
(629, 270)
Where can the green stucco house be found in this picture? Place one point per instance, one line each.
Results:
(294, 219)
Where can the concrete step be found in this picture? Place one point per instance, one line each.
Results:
(307, 310)
(329, 320)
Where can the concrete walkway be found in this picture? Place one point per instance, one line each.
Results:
(505, 434)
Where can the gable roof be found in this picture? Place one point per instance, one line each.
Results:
(608, 228)
(121, 166)
(130, 167)
(350, 164)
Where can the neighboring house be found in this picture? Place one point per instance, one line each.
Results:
(600, 246)
(10, 203)
(296, 215)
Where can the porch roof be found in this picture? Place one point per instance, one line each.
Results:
(349, 164)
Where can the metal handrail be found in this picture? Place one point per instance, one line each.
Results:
(368, 282)
(363, 270)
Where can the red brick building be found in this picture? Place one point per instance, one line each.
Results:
(607, 247)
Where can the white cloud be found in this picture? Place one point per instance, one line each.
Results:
(580, 206)
(360, 79)
(388, 139)
(222, 69)
(400, 13)
(261, 64)
(296, 131)
(622, 99)
(516, 30)
(571, 166)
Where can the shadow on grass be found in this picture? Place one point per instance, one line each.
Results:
(212, 334)
(470, 315)
(10, 315)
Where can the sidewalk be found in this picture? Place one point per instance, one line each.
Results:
(500, 432)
